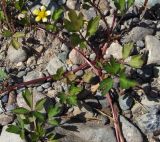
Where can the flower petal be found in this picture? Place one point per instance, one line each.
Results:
(35, 12)
(38, 18)
(44, 19)
(48, 12)
(43, 8)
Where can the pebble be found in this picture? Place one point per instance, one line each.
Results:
(46, 85)
(64, 48)
(33, 75)
(87, 133)
(150, 122)
(125, 102)
(75, 57)
(92, 56)
(5, 119)
(137, 33)
(21, 74)
(40, 89)
(130, 132)
(53, 65)
(140, 44)
(79, 73)
(72, 4)
(115, 49)
(16, 56)
(152, 45)
(4, 99)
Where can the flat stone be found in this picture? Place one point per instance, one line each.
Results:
(9, 137)
(125, 102)
(150, 3)
(87, 133)
(16, 56)
(6, 119)
(153, 46)
(72, 4)
(115, 49)
(130, 132)
(76, 58)
(149, 122)
(33, 75)
(53, 65)
(138, 33)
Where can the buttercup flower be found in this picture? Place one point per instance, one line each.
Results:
(41, 14)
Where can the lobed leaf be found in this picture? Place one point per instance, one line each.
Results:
(40, 104)
(28, 97)
(20, 110)
(136, 61)
(57, 14)
(127, 48)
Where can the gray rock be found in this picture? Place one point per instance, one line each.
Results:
(9, 137)
(87, 133)
(21, 74)
(150, 122)
(76, 58)
(140, 43)
(115, 49)
(6, 119)
(16, 56)
(150, 3)
(130, 132)
(89, 14)
(72, 4)
(4, 99)
(63, 56)
(64, 48)
(53, 65)
(9, 108)
(79, 73)
(46, 85)
(33, 75)
(125, 102)
(92, 56)
(40, 88)
(60, 2)
(1, 107)
(138, 33)
(153, 46)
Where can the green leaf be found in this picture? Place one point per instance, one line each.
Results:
(75, 23)
(71, 100)
(130, 3)
(93, 26)
(75, 39)
(13, 129)
(39, 115)
(15, 43)
(51, 27)
(1, 15)
(19, 5)
(112, 67)
(19, 34)
(40, 104)
(57, 14)
(136, 61)
(53, 111)
(59, 74)
(62, 96)
(28, 97)
(7, 33)
(74, 90)
(71, 76)
(53, 122)
(126, 83)
(127, 48)
(106, 85)
(20, 110)
(3, 75)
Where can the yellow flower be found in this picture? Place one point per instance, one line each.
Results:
(41, 14)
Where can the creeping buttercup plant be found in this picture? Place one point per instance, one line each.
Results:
(31, 123)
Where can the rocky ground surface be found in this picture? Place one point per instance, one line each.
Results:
(140, 121)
